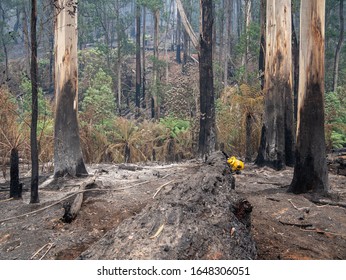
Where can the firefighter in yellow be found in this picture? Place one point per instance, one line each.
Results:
(236, 164)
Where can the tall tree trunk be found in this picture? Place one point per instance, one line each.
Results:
(178, 41)
(277, 145)
(138, 58)
(295, 54)
(119, 57)
(247, 26)
(145, 105)
(186, 50)
(338, 47)
(207, 133)
(227, 41)
(187, 25)
(155, 111)
(262, 51)
(34, 107)
(310, 170)
(26, 40)
(165, 43)
(3, 39)
(68, 157)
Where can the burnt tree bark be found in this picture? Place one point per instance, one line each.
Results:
(295, 55)
(15, 186)
(277, 145)
(68, 157)
(34, 107)
(207, 133)
(310, 170)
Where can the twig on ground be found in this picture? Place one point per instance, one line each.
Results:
(328, 203)
(161, 187)
(50, 247)
(8, 199)
(305, 209)
(38, 251)
(160, 229)
(269, 183)
(296, 225)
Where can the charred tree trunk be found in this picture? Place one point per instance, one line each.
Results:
(34, 107)
(295, 54)
(207, 133)
(338, 47)
(310, 170)
(248, 129)
(277, 146)
(138, 58)
(15, 186)
(68, 157)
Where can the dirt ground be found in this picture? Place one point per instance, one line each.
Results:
(284, 226)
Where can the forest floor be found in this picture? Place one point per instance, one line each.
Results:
(284, 225)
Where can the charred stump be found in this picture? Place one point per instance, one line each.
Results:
(15, 186)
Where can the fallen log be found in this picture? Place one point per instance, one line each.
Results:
(71, 210)
(198, 217)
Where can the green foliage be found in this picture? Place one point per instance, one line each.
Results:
(43, 106)
(335, 111)
(153, 5)
(250, 40)
(99, 98)
(175, 125)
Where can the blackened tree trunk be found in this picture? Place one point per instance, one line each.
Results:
(34, 107)
(68, 157)
(138, 58)
(277, 145)
(207, 134)
(248, 131)
(338, 47)
(15, 186)
(295, 55)
(310, 170)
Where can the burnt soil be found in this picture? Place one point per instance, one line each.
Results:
(283, 225)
